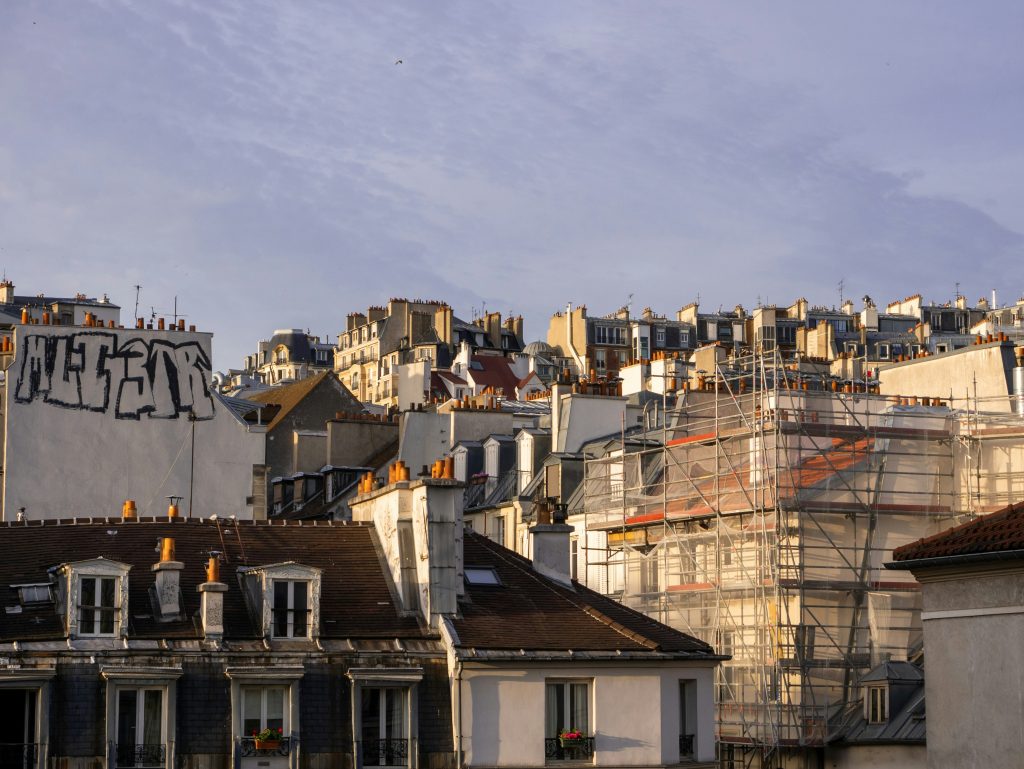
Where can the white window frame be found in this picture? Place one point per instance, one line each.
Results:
(567, 683)
(37, 680)
(268, 677)
(69, 587)
(405, 679)
(258, 583)
(163, 679)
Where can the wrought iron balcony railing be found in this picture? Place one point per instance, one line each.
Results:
(385, 752)
(247, 746)
(557, 749)
(127, 755)
(18, 755)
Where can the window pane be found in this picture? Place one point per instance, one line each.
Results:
(151, 717)
(370, 719)
(280, 608)
(127, 700)
(394, 723)
(554, 709)
(275, 708)
(252, 720)
(88, 598)
(107, 594)
(578, 700)
(299, 603)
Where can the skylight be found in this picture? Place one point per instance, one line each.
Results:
(481, 575)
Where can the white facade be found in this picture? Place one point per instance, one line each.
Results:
(97, 416)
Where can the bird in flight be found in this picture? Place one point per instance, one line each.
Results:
(399, 61)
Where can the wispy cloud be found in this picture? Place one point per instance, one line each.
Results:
(272, 165)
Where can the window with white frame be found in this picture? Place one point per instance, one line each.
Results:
(98, 606)
(290, 609)
(600, 360)
(384, 726)
(566, 707)
(140, 738)
(659, 336)
(877, 703)
(264, 707)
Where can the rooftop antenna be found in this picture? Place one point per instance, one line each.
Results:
(957, 294)
(842, 285)
(138, 288)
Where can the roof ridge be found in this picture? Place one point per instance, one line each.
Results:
(950, 533)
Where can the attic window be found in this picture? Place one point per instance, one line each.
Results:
(877, 704)
(482, 575)
(34, 594)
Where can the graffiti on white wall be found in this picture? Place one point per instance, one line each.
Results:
(91, 371)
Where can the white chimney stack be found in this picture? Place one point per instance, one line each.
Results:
(550, 548)
(211, 610)
(167, 571)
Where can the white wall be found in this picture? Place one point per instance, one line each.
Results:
(83, 436)
(634, 715)
(876, 757)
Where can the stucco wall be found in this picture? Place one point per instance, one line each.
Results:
(96, 416)
(983, 371)
(634, 715)
(975, 672)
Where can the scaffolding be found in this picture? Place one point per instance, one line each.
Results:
(762, 524)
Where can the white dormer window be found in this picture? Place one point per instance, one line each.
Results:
(285, 598)
(876, 702)
(93, 596)
(291, 608)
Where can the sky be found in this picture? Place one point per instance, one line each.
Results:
(281, 164)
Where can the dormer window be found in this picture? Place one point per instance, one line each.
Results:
(284, 598)
(35, 594)
(93, 596)
(291, 609)
(877, 704)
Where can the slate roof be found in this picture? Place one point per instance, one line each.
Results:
(356, 600)
(533, 613)
(296, 342)
(906, 725)
(287, 397)
(990, 535)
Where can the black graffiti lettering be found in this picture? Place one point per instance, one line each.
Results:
(134, 395)
(31, 380)
(159, 378)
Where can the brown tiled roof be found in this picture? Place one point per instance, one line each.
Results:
(495, 371)
(287, 397)
(356, 600)
(531, 612)
(995, 533)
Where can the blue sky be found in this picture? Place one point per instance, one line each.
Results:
(272, 166)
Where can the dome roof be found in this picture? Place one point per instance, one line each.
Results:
(538, 348)
(295, 340)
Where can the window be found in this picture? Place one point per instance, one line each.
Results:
(600, 360)
(97, 606)
(659, 337)
(481, 575)
(384, 724)
(291, 609)
(263, 707)
(499, 530)
(877, 704)
(34, 594)
(140, 728)
(574, 557)
(567, 708)
(687, 718)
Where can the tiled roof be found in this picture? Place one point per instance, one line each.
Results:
(356, 600)
(997, 532)
(287, 397)
(494, 371)
(533, 613)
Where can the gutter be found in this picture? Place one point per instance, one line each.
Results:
(955, 560)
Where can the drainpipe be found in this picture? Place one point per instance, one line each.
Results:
(458, 718)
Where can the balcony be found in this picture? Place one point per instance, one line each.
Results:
(18, 755)
(247, 747)
(129, 755)
(581, 750)
(385, 752)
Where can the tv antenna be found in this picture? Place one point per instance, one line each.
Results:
(137, 290)
(841, 286)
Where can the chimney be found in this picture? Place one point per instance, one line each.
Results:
(211, 609)
(6, 292)
(550, 547)
(168, 596)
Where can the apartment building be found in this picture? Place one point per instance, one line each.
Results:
(289, 355)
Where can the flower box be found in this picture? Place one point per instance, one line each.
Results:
(572, 742)
(267, 744)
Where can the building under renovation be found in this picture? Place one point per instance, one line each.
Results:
(762, 523)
